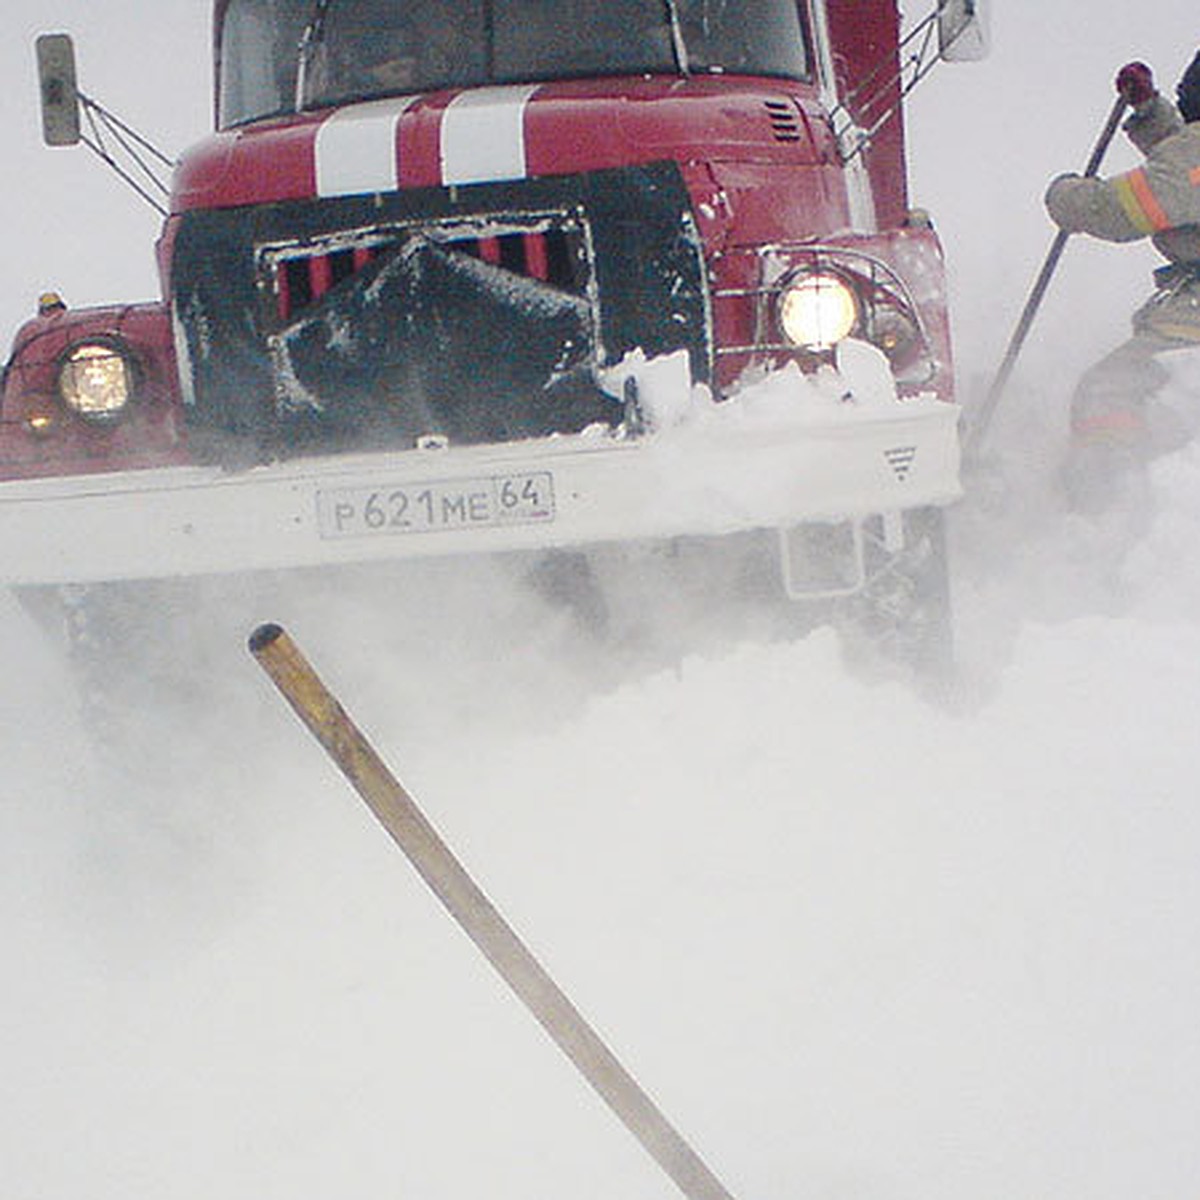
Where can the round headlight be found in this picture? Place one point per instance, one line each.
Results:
(96, 380)
(817, 311)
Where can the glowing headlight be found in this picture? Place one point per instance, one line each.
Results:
(816, 311)
(96, 381)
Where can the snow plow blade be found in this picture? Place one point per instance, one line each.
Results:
(718, 474)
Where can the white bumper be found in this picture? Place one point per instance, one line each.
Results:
(716, 478)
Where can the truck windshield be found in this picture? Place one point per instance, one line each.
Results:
(359, 49)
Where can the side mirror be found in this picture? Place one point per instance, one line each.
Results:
(60, 96)
(962, 30)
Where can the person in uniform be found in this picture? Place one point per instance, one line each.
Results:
(1119, 419)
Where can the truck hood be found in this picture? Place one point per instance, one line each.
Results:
(493, 134)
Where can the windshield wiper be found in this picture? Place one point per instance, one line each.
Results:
(677, 42)
(313, 33)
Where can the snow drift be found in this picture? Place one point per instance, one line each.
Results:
(856, 944)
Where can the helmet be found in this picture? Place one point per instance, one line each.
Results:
(1188, 91)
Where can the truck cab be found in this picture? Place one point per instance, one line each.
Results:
(465, 275)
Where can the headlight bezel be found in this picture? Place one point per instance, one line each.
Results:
(111, 392)
(890, 317)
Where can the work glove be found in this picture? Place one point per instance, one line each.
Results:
(1135, 82)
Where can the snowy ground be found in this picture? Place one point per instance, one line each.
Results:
(860, 945)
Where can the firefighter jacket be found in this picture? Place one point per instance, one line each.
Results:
(1160, 199)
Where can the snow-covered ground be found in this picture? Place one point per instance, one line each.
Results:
(861, 946)
(858, 944)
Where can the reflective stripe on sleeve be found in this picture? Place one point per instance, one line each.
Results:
(1140, 203)
(1111, 428)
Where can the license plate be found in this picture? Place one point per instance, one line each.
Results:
(436, 507)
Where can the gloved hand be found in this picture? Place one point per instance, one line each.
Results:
(1135, 81)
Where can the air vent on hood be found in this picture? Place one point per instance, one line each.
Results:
(785, 120)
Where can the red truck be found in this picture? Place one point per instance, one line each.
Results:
(505, 275)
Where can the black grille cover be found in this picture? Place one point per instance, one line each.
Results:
(425, 336)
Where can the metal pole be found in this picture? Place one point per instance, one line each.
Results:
(987, 409)
(399, 814)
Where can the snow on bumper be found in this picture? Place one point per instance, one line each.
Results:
(568, 491)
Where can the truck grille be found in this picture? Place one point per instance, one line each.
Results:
(296, 277)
